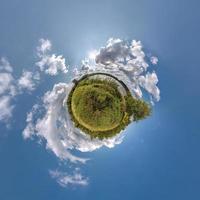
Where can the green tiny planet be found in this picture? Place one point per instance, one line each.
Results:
(102, 106)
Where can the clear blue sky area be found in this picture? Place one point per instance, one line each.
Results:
(159, 157)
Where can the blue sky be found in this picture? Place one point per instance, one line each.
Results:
(159, 157)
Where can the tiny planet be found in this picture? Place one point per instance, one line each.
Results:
(102, 106)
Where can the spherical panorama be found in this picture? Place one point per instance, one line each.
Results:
(102, 106)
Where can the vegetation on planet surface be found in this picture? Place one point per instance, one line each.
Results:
(101, 109)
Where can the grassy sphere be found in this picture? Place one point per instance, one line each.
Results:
(101, 105)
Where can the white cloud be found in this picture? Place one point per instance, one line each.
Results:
(92, 54)
(6, 80)
(51, 122)
(7, 90)
(149, 82)
(45, 46)
(65, 179)
(154, 60)
(10, 87)
(127, 62)
(28, 80)
(30, 129)
(115, 50)
(5, 108)
(57, 129)
(50, 63)
(5, 65)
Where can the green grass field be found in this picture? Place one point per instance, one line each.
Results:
(98, 108)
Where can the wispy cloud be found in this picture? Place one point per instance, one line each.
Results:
(64, 179)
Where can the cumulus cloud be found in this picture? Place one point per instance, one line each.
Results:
(125, 60)
(50, 121)
(6, 108)
(28, 80)
(11, 86)
(44, 47)
(64, 179)
(116, 50)
(149, 82)
(50, 63)
(6, 80)
(119, 52)
(7, 90)
(57, 129)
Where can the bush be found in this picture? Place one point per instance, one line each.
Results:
(138, 108)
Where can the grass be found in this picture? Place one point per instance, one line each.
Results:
(99, 109)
